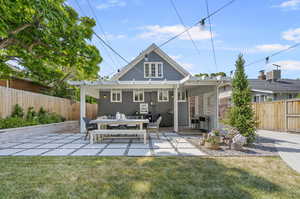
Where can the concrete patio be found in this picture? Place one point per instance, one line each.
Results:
(68, 144)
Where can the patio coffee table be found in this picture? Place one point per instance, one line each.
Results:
(113, 132)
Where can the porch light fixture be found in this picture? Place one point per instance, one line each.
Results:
(105, 96)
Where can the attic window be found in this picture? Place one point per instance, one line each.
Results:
(153, 70)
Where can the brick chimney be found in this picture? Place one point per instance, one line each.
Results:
(262, 75)
(274, 75)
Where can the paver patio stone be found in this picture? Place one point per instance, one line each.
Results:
(86, 152)
(190, 152)
(160, 145)
(27, 145)
(113, 152)
(31, 152)
(4, 152)
(139, 146)
(139, 152)
(71, 146)
(117, 145)
(183, 145)
(165, 152)
(94, 146)
(49, 146)
(59, 152)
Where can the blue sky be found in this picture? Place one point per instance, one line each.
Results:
(256, 28)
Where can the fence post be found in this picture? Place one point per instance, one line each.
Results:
(286, 124)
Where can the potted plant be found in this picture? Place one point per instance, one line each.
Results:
(212, 143)
(216, 133)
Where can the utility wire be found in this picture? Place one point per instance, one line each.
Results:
(202, 21)
(272, 55)
(183, 24)
(211, 37)
(103, 32)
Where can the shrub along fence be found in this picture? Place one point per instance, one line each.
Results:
(66, 108)
(281, 115)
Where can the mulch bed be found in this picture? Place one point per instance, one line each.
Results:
(262, 147)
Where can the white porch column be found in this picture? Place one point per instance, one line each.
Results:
(175, 94)
(82, 109)
(217, 108)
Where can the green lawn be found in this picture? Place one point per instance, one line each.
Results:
(164, 177)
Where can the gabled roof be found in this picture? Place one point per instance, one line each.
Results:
(153, 47)
(279, 86)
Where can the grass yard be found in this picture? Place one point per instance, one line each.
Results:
(160, 177)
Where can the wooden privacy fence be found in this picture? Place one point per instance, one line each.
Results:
(64, 107)
(278, 115)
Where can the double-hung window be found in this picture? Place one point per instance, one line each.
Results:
(153, 69)
(181, 96)
(163, 96)
(116, 96)
(138, 96)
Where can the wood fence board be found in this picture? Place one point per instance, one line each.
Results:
(271, 115)
(66, 108)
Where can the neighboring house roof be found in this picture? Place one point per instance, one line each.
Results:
(279, 86)
(141, 56)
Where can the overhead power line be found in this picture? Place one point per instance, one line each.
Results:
(183, 24)
(211, 37)
(267, 58)
(201, 22)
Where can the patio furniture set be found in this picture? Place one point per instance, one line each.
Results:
(120, 126)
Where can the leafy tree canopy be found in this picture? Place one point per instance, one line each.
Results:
(47, 40)
(222, 74)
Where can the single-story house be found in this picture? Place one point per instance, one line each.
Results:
(154, 83)
(267, 87)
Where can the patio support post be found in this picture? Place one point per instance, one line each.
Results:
(217, 107)
(82, 109)
(175, 94)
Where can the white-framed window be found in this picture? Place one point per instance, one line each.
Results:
(116, 96)
(153, 69)
(163, 96)
(138, 96)
(181, 96)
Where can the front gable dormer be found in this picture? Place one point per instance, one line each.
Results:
(152, 64)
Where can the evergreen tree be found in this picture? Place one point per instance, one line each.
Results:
(241, 114)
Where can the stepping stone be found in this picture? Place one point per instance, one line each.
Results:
(191, 152)
(4, 152)
(113, 152)
(59, 152)
(27, 146)
(86, 152)
(71, 146)
(165, 152)
(139, 152)
(31, 152)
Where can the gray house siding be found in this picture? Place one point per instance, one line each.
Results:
(137, 72)
(128, 107)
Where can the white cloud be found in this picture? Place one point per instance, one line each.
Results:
(269, 47)
(112, 36)
(111, 4)
(290, 4)
(292, 35)
(288, 64)
(163, 32)
(183, 64)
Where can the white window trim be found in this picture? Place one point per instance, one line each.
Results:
(180, 92)
(138, 91)
(167, 100)
(156, 70)
(117, 92)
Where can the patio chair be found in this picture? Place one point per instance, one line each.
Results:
(154, 126)
(89, 127)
